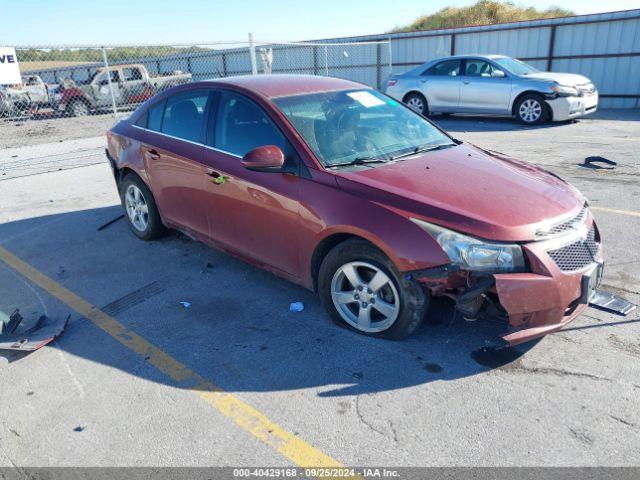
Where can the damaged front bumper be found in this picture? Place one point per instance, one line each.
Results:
(561, 279)
(538, 305)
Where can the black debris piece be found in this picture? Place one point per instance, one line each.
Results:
(596, 162)
(110, 222)
(8, 324)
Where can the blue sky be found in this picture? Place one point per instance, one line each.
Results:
(42, 22)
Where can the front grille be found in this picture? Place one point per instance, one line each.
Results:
(571, 224)
(576, 255)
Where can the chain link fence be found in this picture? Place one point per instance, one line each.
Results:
(69, 96)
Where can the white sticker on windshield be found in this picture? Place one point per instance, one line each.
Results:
(366, 99)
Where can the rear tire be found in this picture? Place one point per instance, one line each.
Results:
(416, 102)
(140, 209)
(531, 109)
(383, 304)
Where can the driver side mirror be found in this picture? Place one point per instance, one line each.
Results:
(498, 74)
(264, 159)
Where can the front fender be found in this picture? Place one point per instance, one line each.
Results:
(326, 209)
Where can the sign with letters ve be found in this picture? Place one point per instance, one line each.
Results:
(9, 68)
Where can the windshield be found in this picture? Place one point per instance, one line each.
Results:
(351, 126)
(515, 66)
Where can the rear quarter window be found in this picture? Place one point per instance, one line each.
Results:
(154, 116)
(142, 121)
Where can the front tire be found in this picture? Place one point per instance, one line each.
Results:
(416, 102)
(531, 109)
(361, 289)
(140, 209)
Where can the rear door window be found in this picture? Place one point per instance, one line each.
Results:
(448, 68)
(241, 125)
(184, 115)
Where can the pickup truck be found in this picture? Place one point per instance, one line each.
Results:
(30, 95)
(131, 85)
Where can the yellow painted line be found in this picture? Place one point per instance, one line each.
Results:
(244, 415)
(615, 210)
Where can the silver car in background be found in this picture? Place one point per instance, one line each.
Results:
(493, 85)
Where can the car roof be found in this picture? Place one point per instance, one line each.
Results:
(420, 68)
(284, 85)
(470, 55)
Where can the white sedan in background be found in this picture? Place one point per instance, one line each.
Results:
(494, 85)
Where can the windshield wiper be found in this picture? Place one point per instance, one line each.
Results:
(423, 149)
(358, 161)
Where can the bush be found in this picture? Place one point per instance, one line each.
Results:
(481, 13)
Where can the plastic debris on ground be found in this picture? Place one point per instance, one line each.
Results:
(296, 307)
(611, 302)
(208, 266)
(44, 331)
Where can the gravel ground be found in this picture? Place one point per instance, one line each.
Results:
(571, 399)
(20, 133)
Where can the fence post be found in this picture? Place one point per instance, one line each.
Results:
(315, 60)
(224, 64)
(252, 52)
(113, 97)
(390, 57)
(378, 65)
(326, 61)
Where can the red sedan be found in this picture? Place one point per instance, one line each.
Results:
(346, 191)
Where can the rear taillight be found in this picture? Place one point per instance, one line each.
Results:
(392, 82)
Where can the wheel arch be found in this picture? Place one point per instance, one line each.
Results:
(124, 171)
(121, 173)
(417, 92)
(528, 92)
(328, 243)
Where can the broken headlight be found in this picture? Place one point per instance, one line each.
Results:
(565, 90)
(473, 254)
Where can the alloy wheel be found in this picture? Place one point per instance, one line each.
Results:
(365, 297)
(416, 104)
(530, 110)
(137, 208)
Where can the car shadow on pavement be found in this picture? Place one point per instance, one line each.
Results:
(475, 123)
(235, 327)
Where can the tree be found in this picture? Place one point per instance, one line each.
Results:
(481, 13)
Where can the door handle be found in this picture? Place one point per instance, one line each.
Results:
(154, 154)
(466, 82)
(216, 177)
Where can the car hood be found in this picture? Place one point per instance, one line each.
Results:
(568, 79)
(464, 188)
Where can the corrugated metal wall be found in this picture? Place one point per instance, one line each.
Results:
(604, 47)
